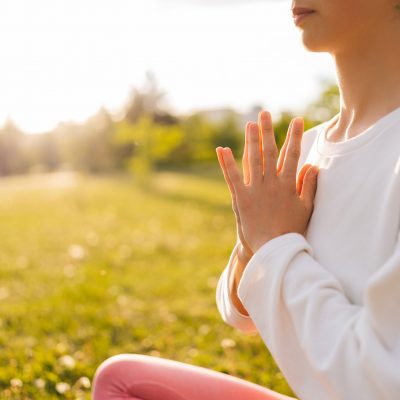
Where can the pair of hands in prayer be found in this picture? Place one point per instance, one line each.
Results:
(269, 200)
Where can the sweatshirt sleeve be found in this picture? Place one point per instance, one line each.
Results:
(229, 313)
(325, 346)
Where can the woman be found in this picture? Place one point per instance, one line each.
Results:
(316, 269)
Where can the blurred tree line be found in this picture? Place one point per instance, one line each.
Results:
(146, 137)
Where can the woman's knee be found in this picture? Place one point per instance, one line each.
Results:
(114, 367)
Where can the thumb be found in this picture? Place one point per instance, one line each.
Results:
(310, 185)
(300, 177)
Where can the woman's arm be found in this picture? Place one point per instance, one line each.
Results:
(323, 343)
(234, 279)
(230, 311)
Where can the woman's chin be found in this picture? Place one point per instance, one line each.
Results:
(312, 42)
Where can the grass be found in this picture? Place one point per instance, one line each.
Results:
(95, 266)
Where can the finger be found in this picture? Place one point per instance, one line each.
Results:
(269, 149)
(310, 186)
(245, 159)
(283, 150)
(255, 160)
(221, 161)
(292, 155)
(233, 195)
(233, 171)
(300, 178)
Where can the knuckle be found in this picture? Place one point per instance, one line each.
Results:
(267, 127)
(253, 137)
(273, 186)
(254, 132)
(286, 179)
(271, 152)
(295, 152)
(298, 130)
(257, 161)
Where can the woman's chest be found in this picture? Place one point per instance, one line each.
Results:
(355, 221)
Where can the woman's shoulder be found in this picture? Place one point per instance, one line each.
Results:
(309, 138)
(310, 134)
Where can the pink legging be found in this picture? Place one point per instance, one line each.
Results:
(144, 377)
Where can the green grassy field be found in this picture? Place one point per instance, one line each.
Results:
(95, 266)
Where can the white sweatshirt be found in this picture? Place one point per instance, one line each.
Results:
(327, 304)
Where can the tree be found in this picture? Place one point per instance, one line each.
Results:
(11, 158)
(326, 106)
(147, 100)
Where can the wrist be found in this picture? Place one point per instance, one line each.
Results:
(261, 243)
(243, 255)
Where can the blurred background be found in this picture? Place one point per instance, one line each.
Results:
(115, 219)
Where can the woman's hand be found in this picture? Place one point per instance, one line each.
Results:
(269, 202)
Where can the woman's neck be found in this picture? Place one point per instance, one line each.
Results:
(369, 83)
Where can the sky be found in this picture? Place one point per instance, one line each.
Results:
(61, 60)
